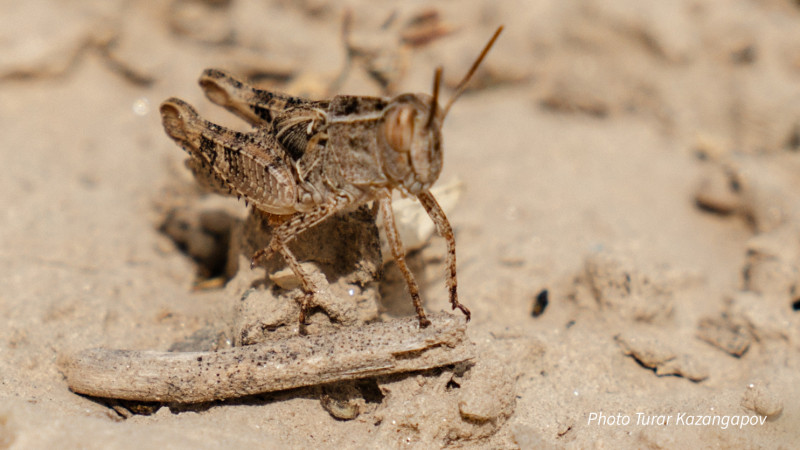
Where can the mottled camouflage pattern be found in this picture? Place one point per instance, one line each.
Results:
(307, 160)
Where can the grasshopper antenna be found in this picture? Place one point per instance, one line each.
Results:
(463, 84)
(350, 52)
(437, 79)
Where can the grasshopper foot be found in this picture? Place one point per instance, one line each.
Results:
(456, 304)
(305, 302)
(424, 322)
(463, 309)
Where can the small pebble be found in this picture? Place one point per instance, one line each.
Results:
(759, 398)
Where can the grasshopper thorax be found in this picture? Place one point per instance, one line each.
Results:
(411, 142)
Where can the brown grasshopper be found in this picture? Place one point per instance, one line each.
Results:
(308, 160)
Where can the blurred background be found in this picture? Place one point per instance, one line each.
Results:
(634, 162)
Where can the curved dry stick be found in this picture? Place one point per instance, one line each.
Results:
(345, 354)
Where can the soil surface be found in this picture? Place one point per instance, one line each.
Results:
(628, 231)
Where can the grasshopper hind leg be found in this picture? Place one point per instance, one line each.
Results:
(256, 106)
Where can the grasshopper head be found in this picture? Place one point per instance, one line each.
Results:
(411, 147)
(411, 134)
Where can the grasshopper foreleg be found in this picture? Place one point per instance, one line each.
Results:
(446, 231)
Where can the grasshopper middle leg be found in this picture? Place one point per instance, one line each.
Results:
(285, 233)
(399, 254)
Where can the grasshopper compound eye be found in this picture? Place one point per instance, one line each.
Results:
(399, 128)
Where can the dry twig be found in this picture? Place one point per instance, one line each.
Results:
(346, 354)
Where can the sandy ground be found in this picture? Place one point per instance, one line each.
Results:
(638, 160)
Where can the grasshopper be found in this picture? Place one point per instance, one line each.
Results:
(308, 160)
